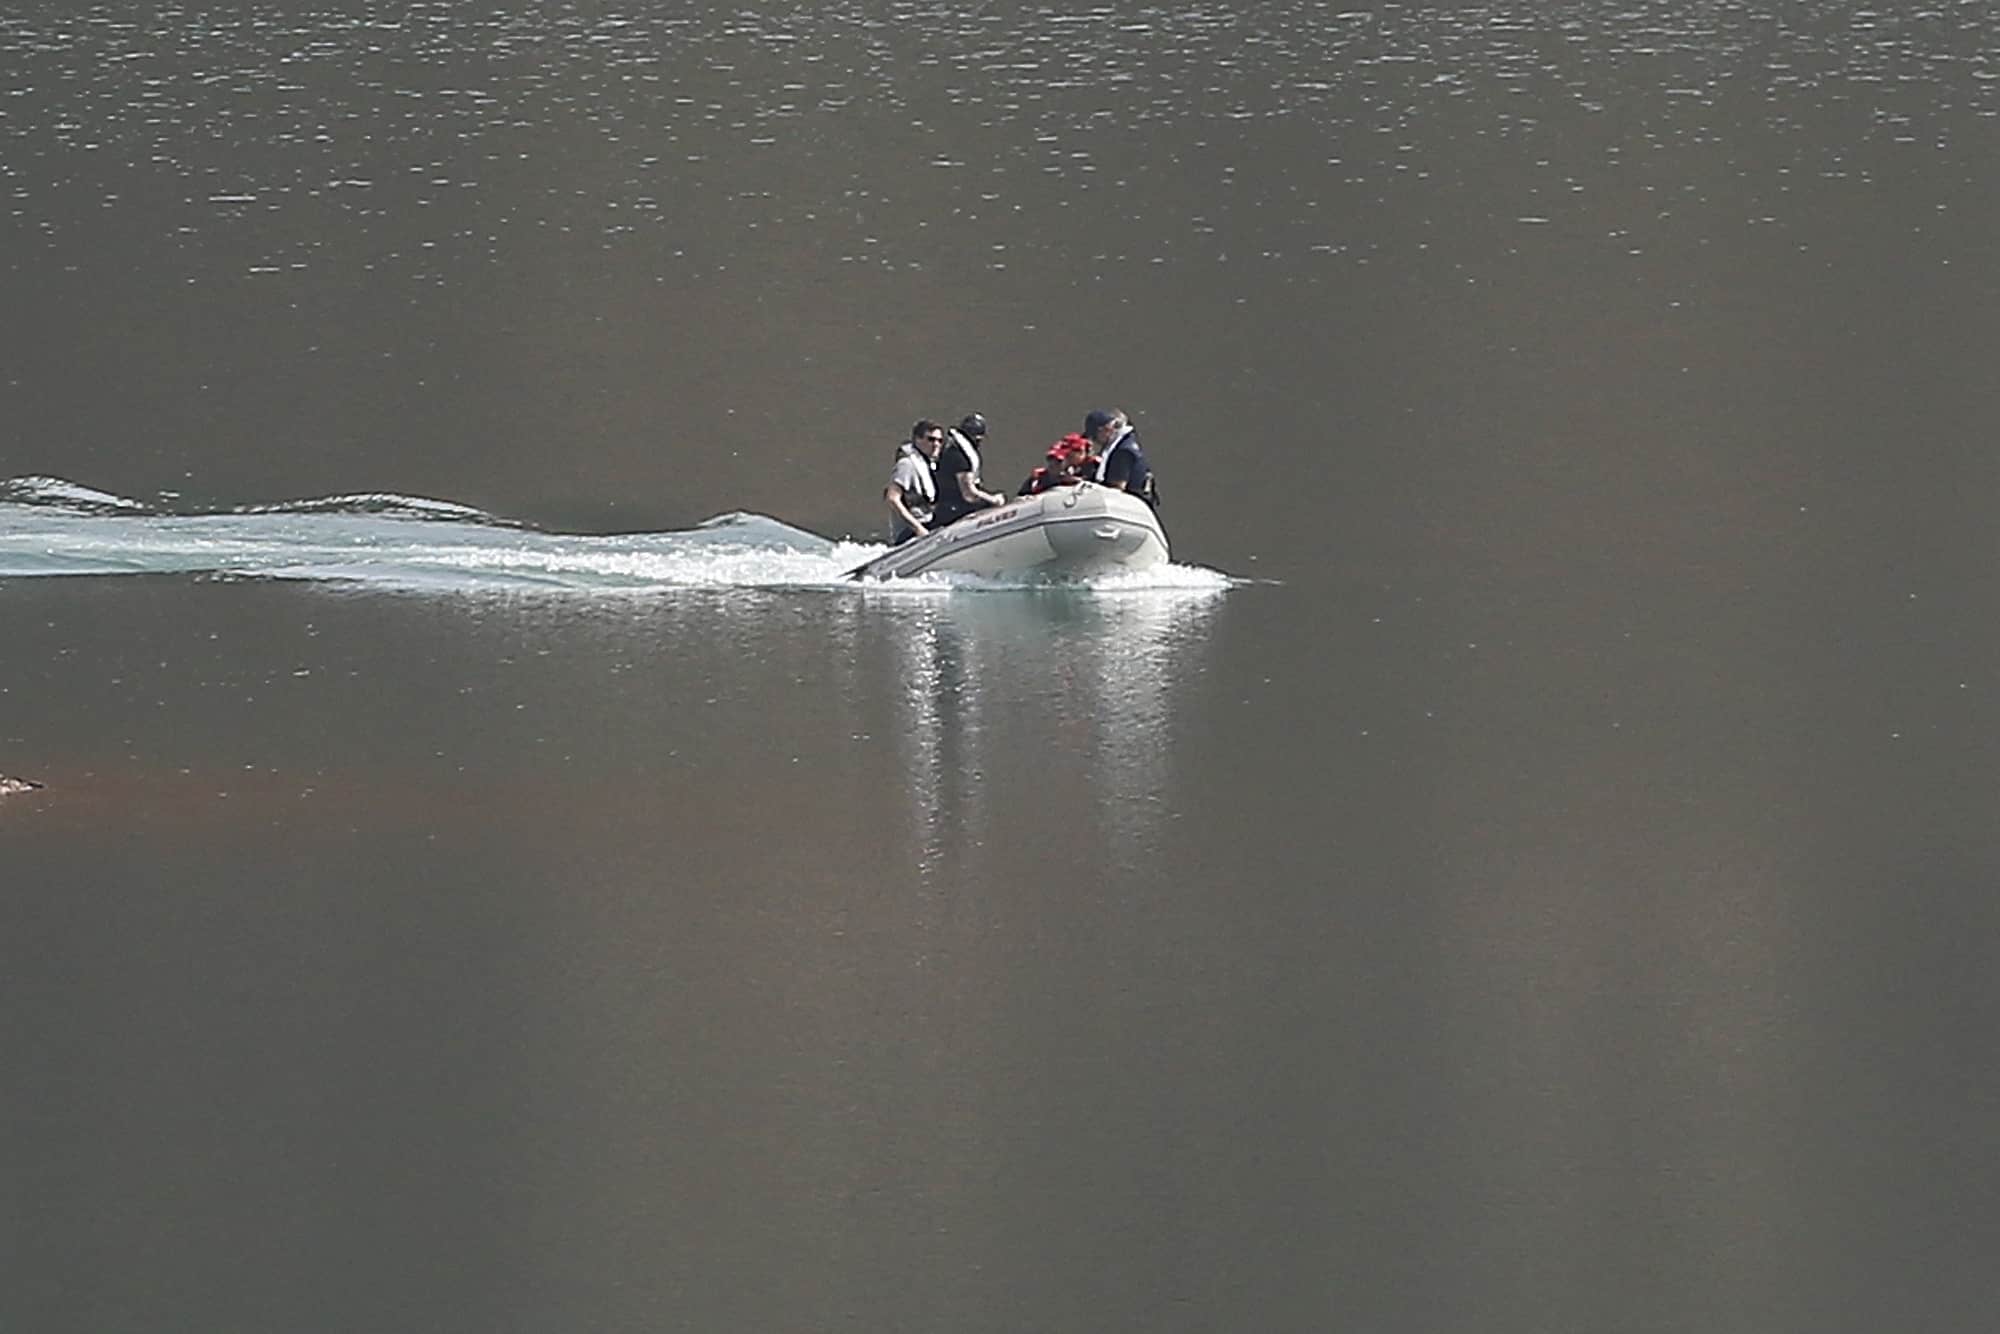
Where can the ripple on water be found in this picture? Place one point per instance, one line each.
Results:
(425, 138)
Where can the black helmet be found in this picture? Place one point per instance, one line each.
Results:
(973, 427)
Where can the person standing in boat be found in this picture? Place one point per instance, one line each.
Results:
(959, 489)
(1121, 461)
(912, 489)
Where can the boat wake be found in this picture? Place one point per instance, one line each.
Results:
(49, 526)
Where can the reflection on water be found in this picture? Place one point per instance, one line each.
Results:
(1072, 693)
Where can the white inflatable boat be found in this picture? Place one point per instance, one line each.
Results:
(1069, 532)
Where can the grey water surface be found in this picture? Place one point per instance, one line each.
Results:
(1530, 864)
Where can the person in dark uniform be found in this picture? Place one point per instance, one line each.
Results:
(1121, 459)
(959, 489)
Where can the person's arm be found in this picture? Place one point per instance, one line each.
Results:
(893, 493)
(974, 495)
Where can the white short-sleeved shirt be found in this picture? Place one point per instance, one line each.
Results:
(913, 474)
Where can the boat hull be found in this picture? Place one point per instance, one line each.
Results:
(1070, 532)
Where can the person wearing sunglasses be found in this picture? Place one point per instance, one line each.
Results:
(912, 489)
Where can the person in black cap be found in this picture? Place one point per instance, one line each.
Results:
(1121, 460)
(959, 490)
